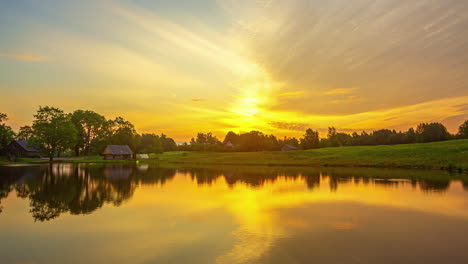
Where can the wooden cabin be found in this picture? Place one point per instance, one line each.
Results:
(117, 152)
(21, 149)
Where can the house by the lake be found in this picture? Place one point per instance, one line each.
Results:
(20, 148)
(117, 152)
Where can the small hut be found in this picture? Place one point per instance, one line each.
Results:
(20, 148)
(117, 152)
(288, 148)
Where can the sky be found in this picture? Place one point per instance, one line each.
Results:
(182, 67)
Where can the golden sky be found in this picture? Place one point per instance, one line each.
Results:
(182, 67)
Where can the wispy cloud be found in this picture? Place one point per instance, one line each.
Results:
(24, 56)
(348, 99)
(342, 91)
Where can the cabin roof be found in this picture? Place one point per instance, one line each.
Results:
(24, 145)
(118, 150)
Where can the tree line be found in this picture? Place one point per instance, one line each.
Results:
(83, 132)
(258, 141)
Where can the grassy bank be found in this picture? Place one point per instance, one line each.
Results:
(448, 155)
(85, 159)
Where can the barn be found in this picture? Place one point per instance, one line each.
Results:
(20, 148)
(117, 152)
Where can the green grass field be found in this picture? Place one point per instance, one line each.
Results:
(448, 155)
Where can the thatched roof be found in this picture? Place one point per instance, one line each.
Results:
(117, 150)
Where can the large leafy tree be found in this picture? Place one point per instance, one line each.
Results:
(6, 133)
(53, 131)
(168, 143)
(150, 143)
(463, 130)
(310, 140)
(25, 133)
(122, 132)
(88, 125)
(431, 132)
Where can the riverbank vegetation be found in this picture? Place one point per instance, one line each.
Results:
(448, 155)
(56, 133)
(85, 133)
(257, 141)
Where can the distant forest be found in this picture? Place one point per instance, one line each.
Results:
(257, 141)
(83, 132)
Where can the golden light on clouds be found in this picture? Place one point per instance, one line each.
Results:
(274, 66)
(24, 56)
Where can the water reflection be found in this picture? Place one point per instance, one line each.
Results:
(54, 190)
(81, 189)
(230, 215)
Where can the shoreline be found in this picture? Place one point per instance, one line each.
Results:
(449, 156)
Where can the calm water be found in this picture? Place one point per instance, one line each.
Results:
(143, 214)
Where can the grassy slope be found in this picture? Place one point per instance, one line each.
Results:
(439, 155)
(448, 154)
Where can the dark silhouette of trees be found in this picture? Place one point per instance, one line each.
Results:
(206, 142)
(232, 137)
(463, 130)
(53, 131)
(310, 140)
(432, 132)
(6, 133)
(290, 141)
(168, 143)
(25, 133)
(88, 125)
(87, 132)
(257, 141)
(150, 143)
(122, 132)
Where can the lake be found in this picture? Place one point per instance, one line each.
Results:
(115, 213)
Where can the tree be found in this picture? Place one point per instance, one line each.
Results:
(310, 140)
(463, 130)
(289, 141)
(410, 136)
(232, 137)
(431, 132)
(122, 132)
(25, 133)
(6, 133)
(332, 138)
(168, 143)
(53, 131)
(150, 143)
(88, 125)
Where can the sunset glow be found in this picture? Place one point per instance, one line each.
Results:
(182, 67)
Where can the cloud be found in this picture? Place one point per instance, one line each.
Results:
(293, 126)
(24, 56)
(341, 91)
(292, 94)
(197, 100)
(347, 100)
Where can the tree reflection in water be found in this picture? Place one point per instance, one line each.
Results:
(81, 189)
(77, 189)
